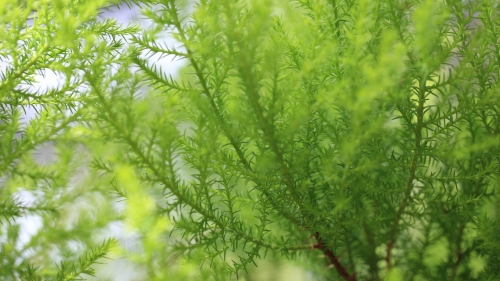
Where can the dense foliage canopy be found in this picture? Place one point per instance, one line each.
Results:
(361, 134)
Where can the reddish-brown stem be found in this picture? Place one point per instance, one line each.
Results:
(459, 252)
(321, 245)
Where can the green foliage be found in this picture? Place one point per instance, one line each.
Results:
(51, 210)
(360, 133)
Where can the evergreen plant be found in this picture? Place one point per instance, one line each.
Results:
(358, 137)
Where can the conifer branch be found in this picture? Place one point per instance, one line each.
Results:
(114, 121)
(18, 72)
(413, 168)
(269, 134)
(220, 118)
(204, 84)
(27, 144)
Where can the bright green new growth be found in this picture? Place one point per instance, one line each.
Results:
(363, 134)
(48, 205)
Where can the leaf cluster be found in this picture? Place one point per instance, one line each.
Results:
(363, 131)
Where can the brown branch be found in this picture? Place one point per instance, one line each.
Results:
(342, 271)
(459, 253)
